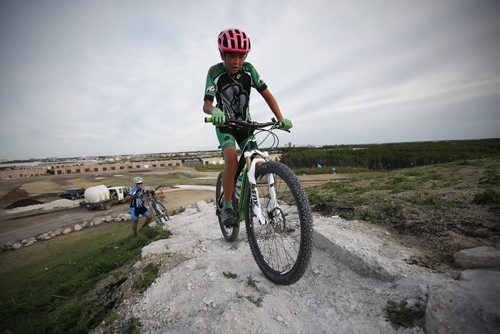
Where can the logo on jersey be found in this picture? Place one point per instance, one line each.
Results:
(235, 102)
(211, 89)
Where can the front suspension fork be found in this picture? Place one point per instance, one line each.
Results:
(252, 182)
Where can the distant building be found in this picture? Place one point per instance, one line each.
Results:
(115, 167)
(15, 173)
(192, 162)
(92, 167)
(86, 168)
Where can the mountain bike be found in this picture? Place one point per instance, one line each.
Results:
(153, 202)
(273, 203)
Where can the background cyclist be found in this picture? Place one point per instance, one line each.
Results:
(230, 83)
(137, 207)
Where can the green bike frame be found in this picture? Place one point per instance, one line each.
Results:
(243, 195)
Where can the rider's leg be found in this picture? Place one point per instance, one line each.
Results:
(149, 217)
(230, 167)
(134, 227)
(228, 145)
(135, 221)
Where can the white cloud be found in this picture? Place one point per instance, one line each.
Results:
(115, 77)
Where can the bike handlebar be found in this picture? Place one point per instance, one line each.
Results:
(248, 125)
(156, 188)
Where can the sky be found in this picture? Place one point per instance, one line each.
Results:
(87, 78)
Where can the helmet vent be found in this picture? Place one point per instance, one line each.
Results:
(238, 38)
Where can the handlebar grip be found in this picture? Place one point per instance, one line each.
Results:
(208, 119)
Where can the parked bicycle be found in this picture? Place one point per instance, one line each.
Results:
(275, 208)
(153, 202)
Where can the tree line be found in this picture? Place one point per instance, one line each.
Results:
(390, 156)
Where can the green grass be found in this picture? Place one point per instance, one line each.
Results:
(228, 274)
(177, 211)
(400, 315)
(488, 196)
(150, 272)
(133, 326)
(414, 186)
(490, 177)
(252, 282)
(434, 200)
(328, 170)
(58, 286)
(427, 202)
(255, 300)
(209, 168)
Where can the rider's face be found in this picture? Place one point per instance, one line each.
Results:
(234, 61)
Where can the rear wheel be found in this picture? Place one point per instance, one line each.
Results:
(229, 233)
(282, 246)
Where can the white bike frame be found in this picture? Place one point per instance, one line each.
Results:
(252, 182)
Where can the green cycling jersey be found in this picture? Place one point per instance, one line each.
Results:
(232, 91)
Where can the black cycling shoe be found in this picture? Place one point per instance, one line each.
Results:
(228, 217)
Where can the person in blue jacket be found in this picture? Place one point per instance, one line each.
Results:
(137, 207)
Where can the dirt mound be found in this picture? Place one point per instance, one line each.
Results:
(14, 195)
(22, 203)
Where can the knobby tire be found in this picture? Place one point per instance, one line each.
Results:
(269, 242)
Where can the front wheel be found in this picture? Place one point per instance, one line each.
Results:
(159, 211)
(229, 233)
(280, 235)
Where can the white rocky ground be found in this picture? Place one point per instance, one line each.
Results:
(355, 269)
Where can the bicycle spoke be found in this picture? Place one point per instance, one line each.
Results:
(279, 238)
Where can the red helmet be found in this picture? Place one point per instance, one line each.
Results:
(234, 40)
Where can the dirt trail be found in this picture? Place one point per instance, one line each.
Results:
(196, 296)
(13, 229)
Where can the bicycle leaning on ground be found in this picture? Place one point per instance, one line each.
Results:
(153, 202)
(273, 203)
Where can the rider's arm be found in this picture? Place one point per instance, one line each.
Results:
(208, 106)
(127, 198)
(271, 102)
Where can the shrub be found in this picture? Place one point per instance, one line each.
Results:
(178, 210)
(489, 196)
(400, 314)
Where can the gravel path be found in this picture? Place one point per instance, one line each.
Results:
(343, 291)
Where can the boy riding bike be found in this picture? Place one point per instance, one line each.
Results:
(230, 83)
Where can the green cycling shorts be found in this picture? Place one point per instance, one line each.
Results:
(229, 138)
